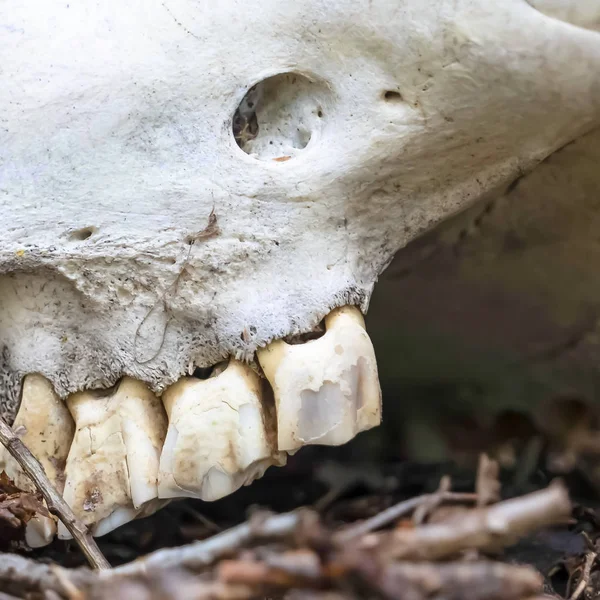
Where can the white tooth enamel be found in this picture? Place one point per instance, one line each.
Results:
(326, 390)
(40, 531)
(218, 437)
(111, 472)
(118, 517)
(46, 427)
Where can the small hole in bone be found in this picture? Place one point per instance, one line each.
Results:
(279, 116)
(208, 372)
(302, 338)
(202, 372)
(82, 234)
(392, 96)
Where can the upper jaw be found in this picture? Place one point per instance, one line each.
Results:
(121, 453)
(111, 171)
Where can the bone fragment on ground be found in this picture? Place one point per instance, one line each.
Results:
(45, 426)
(220, 436)
(326, 390)
(112, 468)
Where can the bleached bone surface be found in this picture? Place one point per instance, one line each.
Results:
(45, 426)
(326, 390)
(221, 435)
(112, 468)
(584, 13)
(117, 144)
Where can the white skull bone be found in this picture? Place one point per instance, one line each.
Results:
(116, 145)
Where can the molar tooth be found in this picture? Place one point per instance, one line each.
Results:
(47, 429)
(112, 468)
(326, 390)
(219, 435)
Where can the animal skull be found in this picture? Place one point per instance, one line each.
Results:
(186, 184)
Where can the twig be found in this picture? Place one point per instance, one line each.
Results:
(4, 596)
(56, 505)
(200, 554)
(428, 507)
(487, 529)
(487, 485)
(202, 518)
(25, 577)
(474, 580)
(396, 580)
(398, 510)
(325, 501)
(590, 559)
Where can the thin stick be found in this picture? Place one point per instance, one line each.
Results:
(200, 554)
(398, 510)
(4, 596)
(590, 559)
(56, 505)
(487, 529)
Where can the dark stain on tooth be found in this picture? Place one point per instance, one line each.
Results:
(92, 499)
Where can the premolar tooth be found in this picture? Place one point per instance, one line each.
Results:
(47, 429)
(326, 390)
(219, 435)
(112, 468)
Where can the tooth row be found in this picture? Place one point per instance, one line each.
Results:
(122, 453)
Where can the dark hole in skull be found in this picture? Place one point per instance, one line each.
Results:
(212, 371)
(80, 235)
(279, 116)
(301, 338)
(392, 96)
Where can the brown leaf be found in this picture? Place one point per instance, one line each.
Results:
(17, 508)
(21, 506)
(7, 485)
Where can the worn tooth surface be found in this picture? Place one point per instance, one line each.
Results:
(112, 467)
(326, 390)
(220, 436)
(46, 427)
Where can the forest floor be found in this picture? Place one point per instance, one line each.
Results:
(328, 527)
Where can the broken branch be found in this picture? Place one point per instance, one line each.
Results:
(398, 510)
(487, 529)
(56, 505)
(201, 554)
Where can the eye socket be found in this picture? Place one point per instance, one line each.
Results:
(279, 116)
